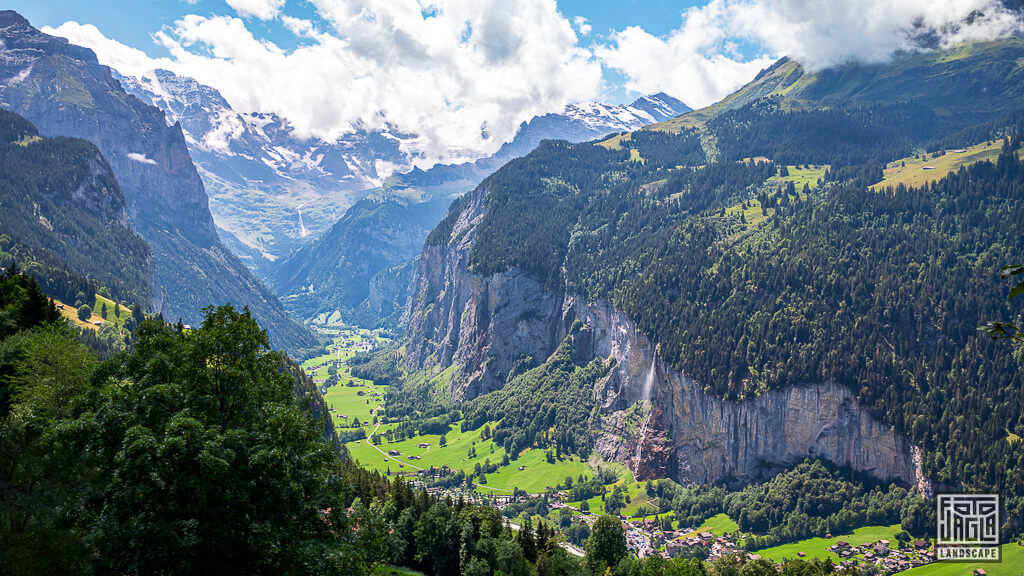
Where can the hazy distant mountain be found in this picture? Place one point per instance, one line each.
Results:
(360, 267)
(64, 91)
(269, 189)
(272, 191)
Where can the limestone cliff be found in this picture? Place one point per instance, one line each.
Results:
(483, 324)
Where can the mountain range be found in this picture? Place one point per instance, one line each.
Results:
(722, 295)
(361, 267)
(272, 192)
(64, 91)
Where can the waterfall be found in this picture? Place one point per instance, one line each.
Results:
(302, 225)
(645, 403)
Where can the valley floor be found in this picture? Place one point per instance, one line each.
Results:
(357, 408)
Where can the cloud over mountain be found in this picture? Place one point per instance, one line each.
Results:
(701, 60)
(461, 75)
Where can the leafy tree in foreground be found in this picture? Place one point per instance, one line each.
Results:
(44, 368)
(607, 543)
(200, 461)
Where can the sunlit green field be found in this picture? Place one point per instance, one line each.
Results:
(346, 401)
(537, 474)
(913, 171)
(799, 176)
(819, 547)
(719, 525)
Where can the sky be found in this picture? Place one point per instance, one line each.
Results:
(463, 74)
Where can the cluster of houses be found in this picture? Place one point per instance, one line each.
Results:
(717, 546)
(883, 557)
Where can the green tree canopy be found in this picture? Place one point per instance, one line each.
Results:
(607, 543)
(202, 462)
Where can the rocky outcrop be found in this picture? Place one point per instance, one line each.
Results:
(483, 324)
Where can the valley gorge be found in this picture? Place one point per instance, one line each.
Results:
(484, 324)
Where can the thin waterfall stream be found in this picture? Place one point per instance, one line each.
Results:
(645, 402)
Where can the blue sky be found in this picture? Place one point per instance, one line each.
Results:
(133, 22)
(463, 74)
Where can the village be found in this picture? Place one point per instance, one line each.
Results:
(644, 536)
(364, 412)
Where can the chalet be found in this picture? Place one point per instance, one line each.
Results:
(522, 467)
(394, 453)
(881, 549)
(921, 544)
(979, 572)
(423, 445)
(928, 167)
(707, 535)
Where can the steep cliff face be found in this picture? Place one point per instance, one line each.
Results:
(63, 90)
(652, 418)
(63, 216)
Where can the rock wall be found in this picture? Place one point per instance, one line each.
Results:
(64, 91)
(483, 324)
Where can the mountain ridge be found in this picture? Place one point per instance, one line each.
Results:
(735, 256)
(263, 179)
(414, 203)
(64, 91)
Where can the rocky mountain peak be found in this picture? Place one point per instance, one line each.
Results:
(21, 42)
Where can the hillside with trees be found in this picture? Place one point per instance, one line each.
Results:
(64, 219)
(748, 283)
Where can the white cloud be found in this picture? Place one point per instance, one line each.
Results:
(443, 73)
(697, 62)
(582, 26)
(463, 74)
(124, 59)
(141, 158)
(262, 9)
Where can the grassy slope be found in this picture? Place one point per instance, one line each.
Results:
(818, 547)
(719, 525)
(911, 170)
(71, 313)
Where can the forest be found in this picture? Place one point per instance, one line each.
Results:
(189, 453)
(63, 217)
(880, 291)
